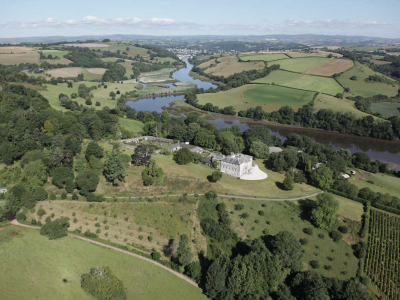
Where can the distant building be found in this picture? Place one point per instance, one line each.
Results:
(236, 165)
(345, 176)
(178, 146)
(3, 189)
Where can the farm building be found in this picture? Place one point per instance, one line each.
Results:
(178, 146)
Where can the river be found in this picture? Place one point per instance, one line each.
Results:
(383, 150)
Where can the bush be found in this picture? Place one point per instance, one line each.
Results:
(215, 176)
(21, 217)
(211, 195)
(53, 196)
(140, 237)
(343, 229)
(304, 241)
(239, 207)
(183, 156)
(102, 284)
(33, 222)
(75, 220)
(94, 198)
(155, 255)
(41, 212)
(336, 235)
(63, 195)
(55, 229)
(314, 264)
(75, 196)
(261, 213)
(90, 234)
(308, 230)
(321, 236)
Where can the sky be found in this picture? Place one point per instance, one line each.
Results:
(27, 18)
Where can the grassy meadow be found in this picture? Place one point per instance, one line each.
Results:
(230, 65)
(362, 88)
(55, 53)
(40, 266)
(303, 82)
(288, 216)
(337, 105)
(157, 76)
(275, 95)
(386, 109)
(383, 183)
(100, 94)
(264, 57)
(131, 125)
(302, 65)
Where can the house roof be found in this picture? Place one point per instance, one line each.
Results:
(237, 159)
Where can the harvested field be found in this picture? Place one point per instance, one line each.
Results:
(18, 58)
(230, 65)
(88, 45)
(332, 67)
(65, 72)
(14, 50)
(96, 70)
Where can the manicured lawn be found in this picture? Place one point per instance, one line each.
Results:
(131, 125)
(386, 109)
(304, 82)
(264, 57)
(337, 105)
(285, 216)
(275, 95)
(362, 88)
(36, 267)
(302, 65)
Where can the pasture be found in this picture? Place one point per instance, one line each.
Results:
(100, 94)
(133, 51)
(380, 62)
(386, 109)
(54, 53)
(362, 88)
(303, 82)
(302, 65)
(332, 67)
(88, 73)
(157, 76)
(31, 57)
(287, 216)
(131, 125)
(275, 95)
(230, 65)
(40, 266)
(125, 222)
(264, 57)
(337, 105)
(382, 183)
(61, 61)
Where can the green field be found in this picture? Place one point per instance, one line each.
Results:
(39, 267)
(274, 95)
(54, 53)
(301, 81)
(386, 109)
(100, 94)
(385, 184)
(131, 125)
(362, 88)
(302, 65)
(157, 76)
(285, 216)
(337, 105)
(301, 54)
(127, 65)
(109, 59)
(264, 57)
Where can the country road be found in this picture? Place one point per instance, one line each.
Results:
(181, 276)
(232, 196)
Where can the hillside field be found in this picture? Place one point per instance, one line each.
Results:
(332, 67)
(40, 266)
(362, 88)
(264, 57)
(386, 109)
(303, 82)
(131, 125)
(337, 105)
(302, 65)
(271, 98)
(230, 65)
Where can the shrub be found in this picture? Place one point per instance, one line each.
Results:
(55, 229)
(215, 176)
(150, 238)
(321, 236)
(308, 230)
(343, 229)
(90, 234)
(53, 215)
(75, 220)
(63, 195)
(336, 235)
(304, 241)
(239, 206)
(97, 224)
(98, 230)
(53, 196)
(140, 237)
(91, 197)
(261, 213)
(33, 222)
(183, 156)
(314, 264)
(211, 195)
(102, 284)
(155, 255)
(41, 212)
(21, 217)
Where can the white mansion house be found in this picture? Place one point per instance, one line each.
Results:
(236, 164)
